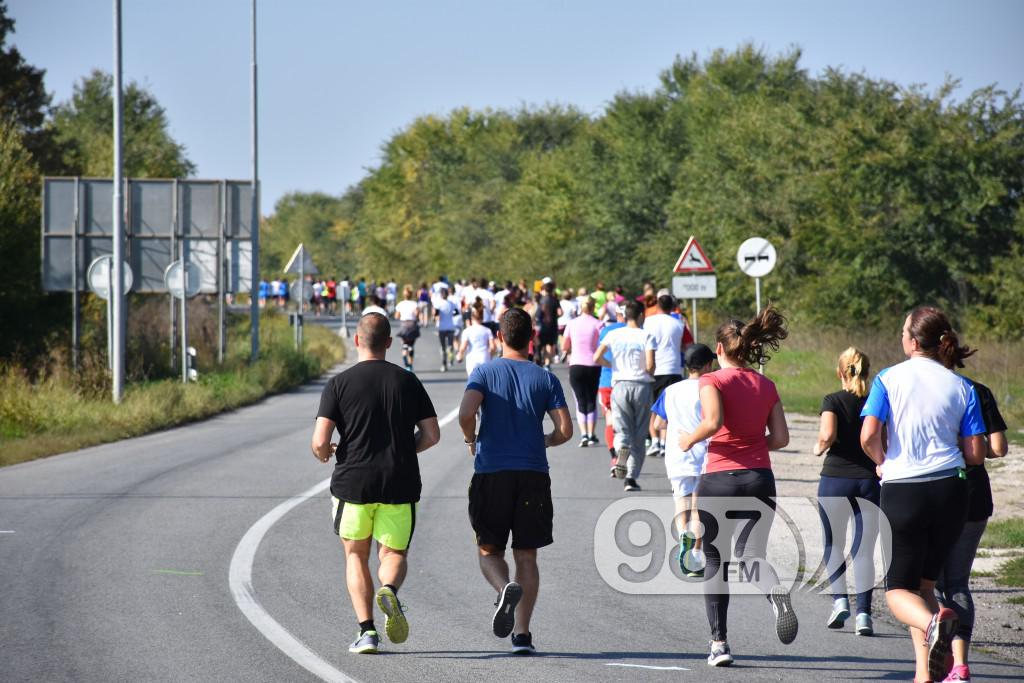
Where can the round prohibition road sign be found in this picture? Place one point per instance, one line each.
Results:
(756, 257)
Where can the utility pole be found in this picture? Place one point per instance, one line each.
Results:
(117, 294)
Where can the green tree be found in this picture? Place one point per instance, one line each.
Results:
(83, 126)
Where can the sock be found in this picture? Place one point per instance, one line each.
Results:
(365, 626)
(393, 588)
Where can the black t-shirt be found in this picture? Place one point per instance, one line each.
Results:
(547, 311)
(979, 490)
(846, 458)
(375, 406)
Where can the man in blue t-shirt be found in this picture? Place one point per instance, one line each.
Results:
(511, 490)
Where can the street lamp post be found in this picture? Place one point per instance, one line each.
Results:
(254, 304)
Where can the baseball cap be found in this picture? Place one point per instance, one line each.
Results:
(697, 356)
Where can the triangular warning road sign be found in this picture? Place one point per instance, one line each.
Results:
(301, 260)
(693, 259)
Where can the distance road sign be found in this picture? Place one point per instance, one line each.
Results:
(695, 286)
(183, 282)
(301, 289)
(693, 259)
(99, 276)
(756, 257)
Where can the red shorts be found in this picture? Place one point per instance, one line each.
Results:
(605, 394)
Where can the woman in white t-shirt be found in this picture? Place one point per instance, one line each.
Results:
(407, 313)
(478, 343)
(933, 426)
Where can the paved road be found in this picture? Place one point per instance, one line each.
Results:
(116, 565)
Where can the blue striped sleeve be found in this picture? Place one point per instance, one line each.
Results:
(659, 407)
(972, 423)
(877, 404)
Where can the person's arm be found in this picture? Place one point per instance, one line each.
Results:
(997, 446)
(471, 402)
(599, 356)
(660, 422)
(321, 445)
(827, 431)
(871, 439)
(428, 433)
(778, 430)
(974, 449)
(650, 361)
(711, 407)
(563, 428)
(463, 345)
(566, 342)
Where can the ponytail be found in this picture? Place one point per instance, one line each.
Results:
(853, 370)
(751, 342)
(934, 334)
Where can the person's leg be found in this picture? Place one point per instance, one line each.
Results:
(915, 611)
(493, 566)
(954, 591)
(358, 578)
(576, 381)
(640, 405)
(527, 576)
(835, 513)
(717, 552)
(393, 566)
(865, 537)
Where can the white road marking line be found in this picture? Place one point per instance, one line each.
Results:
(6, 532)
(648, 666)
(240, 582)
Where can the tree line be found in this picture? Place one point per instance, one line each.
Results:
(878, 197)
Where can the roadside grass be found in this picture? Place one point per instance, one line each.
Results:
(1016, 600)
(1011, 573)
(56, 416)
(804, 369)
(1004, 533)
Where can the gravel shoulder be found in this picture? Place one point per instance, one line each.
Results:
(999, 624)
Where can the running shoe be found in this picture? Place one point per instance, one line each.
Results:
(522, 644)
(840, 613)
(686, 542)
(938, 638)
(653, 450)
(720, 655)
(395, 625)
(611, 472)
(594, 440)
(444, 368)
(584, 442)
(621, 457)
(368, 643)
(864, 627)
(960, 672)
(631, 485)
(786, 624)
(505, 616)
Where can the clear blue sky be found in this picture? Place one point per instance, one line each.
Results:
(337, 78)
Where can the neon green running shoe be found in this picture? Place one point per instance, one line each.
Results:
(395, 624)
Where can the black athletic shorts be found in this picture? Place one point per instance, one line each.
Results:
(516, 502)
(409, 332)
(662, 382)
(547, 336)
(926, 520)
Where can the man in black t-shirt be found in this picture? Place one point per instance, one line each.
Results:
(384, 419)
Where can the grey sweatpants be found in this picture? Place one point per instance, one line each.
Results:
(631, 414)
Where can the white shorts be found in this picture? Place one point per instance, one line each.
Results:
(684, 486)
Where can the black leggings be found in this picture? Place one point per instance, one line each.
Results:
(584, 380)
(926, 520)
(750, 541)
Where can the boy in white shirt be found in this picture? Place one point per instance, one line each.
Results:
(678, 409)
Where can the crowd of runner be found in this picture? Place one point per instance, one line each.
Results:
(909, 445)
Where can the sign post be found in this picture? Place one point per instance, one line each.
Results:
(693, 260)
(756, 257)
(100, 278)
(302, 263)
(183, 280)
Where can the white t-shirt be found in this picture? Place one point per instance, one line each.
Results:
(570, 309)
(667, 333)
(407, 310)
(446, 314)
(679, 405)
(499, 302)
(488, 299)
(468, 296)
(611, 311)
(392, 291)
(435, 288)
(629, 346)
(926, 408)
(478, 349)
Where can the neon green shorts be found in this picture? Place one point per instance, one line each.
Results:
(391, 525)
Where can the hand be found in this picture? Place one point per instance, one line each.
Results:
(878, 471)
(817, 451)
(326, 458)
(685, 440)
(471, 446)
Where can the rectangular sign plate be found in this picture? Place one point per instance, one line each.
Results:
(695, 286)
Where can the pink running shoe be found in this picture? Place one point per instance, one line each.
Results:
(960, 672)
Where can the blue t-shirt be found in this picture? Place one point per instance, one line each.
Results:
(606, 373)
(517, 395)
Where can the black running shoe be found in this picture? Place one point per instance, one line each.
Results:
(505, 616)
(786, 624)
(522, 644)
